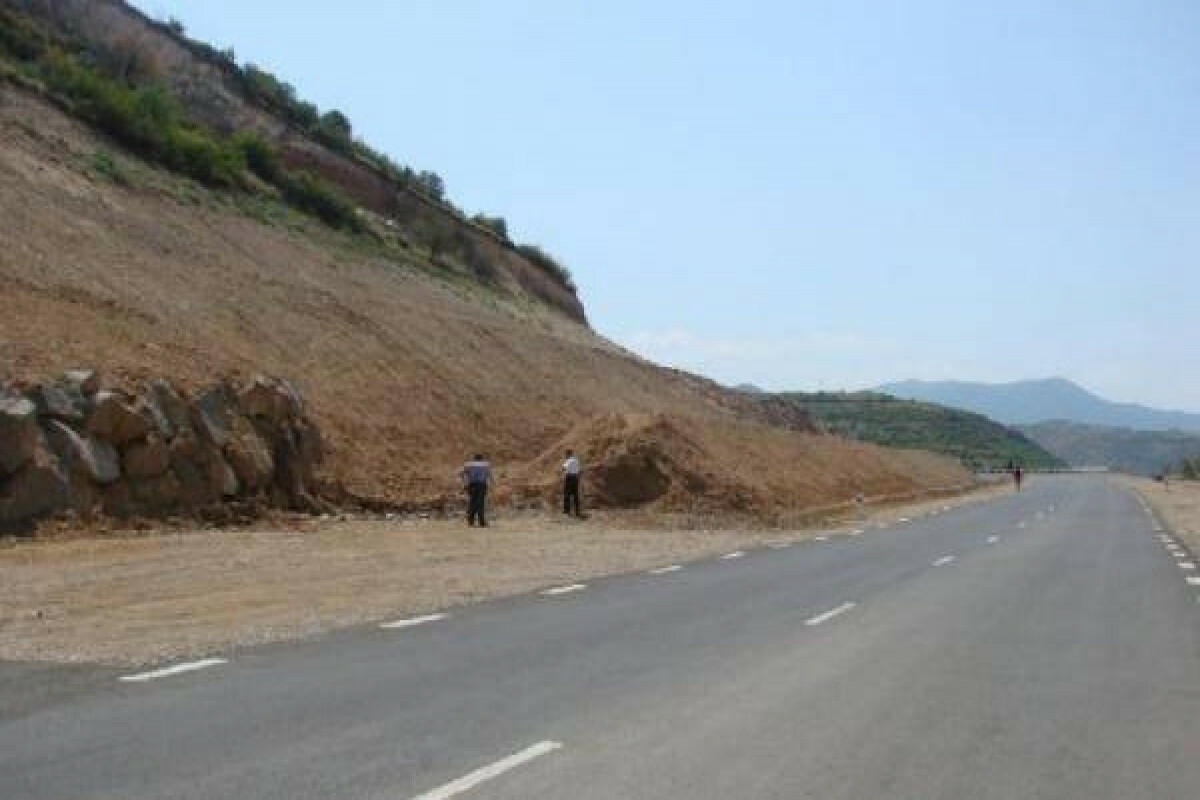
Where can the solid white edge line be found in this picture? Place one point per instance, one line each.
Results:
(734, 554)
(473, 779)
(830, 614)
(664, 570)
(557, 590)
(412, 621)
(177, 669)
(943, 561)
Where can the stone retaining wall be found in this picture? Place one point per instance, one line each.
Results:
(73, 447)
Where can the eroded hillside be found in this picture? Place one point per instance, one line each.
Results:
(408, 367)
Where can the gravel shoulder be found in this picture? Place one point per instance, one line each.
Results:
(138, 598)
(1177, 504)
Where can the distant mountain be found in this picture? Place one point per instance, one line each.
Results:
(1144, 452)
(1028, 402)
(879, 418)
(749, 388)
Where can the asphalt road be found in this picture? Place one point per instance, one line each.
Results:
(1043, 645)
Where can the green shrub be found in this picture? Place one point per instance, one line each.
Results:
(496, 225)
(259, 156)
(309, 193)
(104, 164)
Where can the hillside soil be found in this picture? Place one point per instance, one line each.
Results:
(406, 368)
(132, 598)
(1177, 503)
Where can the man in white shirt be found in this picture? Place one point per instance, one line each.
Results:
(570, 471)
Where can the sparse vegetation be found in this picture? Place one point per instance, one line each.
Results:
(104, 164)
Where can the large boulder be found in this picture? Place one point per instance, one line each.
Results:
(216, 408)
(167, 408)
(59, 401)
(114, 418)
(249, 455)
(272, 400)
(146, 459)
(82, 455)
(84, 381)
(18, 431)
(38, 489)
(204, 475)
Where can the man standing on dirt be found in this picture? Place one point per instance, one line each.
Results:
(1017, 476)
(570, 471)
(476, 475)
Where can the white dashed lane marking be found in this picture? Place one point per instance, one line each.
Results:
(993, 539)
(1187, 565)
(733, 555)
(178, 669)
(1193, 580)
(779, 545)
(821, 538)
(568, 589)
(828, 615)
(473, 779)
(943, 561)
(665, 570)
(412, 621)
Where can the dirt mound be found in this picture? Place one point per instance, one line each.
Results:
(687, 464)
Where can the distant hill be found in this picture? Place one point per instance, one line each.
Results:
(882, 419)
(1028, 402)
(1143, 452)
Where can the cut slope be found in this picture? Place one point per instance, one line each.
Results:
(406, 369)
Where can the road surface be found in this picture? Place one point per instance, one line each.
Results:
(1042, 645)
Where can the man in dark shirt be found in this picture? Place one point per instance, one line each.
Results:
(476, 475)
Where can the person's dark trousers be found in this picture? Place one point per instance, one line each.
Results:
(571, 495)
(476, 496)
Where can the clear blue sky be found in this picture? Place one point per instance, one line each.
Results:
(805, 194)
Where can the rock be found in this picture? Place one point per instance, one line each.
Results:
(38, 489)
(168, 409)
(271, 399)
(204, 476)
(19, 432)
(249, 456)
(84, 381)
(57, 401)
(88, 457)
(147, 459)
(157, 494)
(114, 419)
(215, 410)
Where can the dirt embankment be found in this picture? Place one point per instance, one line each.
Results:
(406, 370)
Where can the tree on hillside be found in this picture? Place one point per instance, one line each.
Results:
(431, 183)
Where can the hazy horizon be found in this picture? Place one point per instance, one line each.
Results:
(804, 196)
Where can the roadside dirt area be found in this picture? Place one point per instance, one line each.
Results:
(1178, 503)
(142, 598)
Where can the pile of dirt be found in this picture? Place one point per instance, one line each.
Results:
(685, 464)
(406, 369)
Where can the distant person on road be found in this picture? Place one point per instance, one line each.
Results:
(1017, 477)
(570, 471)
(476, 475)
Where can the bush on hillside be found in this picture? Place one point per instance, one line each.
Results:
(259, 156)
(544, 261)
(496, 225)
(309, 193)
